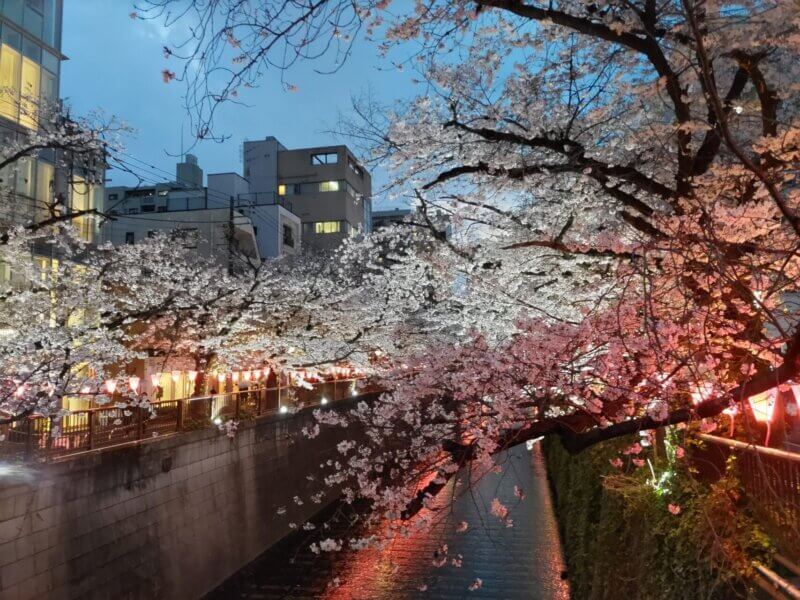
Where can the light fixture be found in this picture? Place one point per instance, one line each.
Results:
(111, 385)
(221, 377)
(192, 375)
(217, 421)
(324, 400)
(731, 411)
(246, 375)
(133, 382)
(155, 379)
(283, 409)
(354, 392)
(235, 376)
(176, 375)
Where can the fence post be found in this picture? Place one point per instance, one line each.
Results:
(90, 416)
(139, 424)
(179, 418)
(29, 440)
(236, 410)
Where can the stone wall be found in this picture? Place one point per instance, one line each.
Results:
(169, 518)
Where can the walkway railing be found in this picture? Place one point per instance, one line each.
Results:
(771, 481)
(83, 430)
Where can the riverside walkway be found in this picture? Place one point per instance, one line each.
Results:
(520, 562)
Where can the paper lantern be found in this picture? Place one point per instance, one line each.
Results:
(221, 377)
(111, 385)
(763, 405)
(235, 376)
(176, 375)
(155, 379)
(133, 382)
(192, 375)
(246, 375)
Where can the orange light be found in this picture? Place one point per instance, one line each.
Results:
(111, 385)
(246, 375)
(763, 405)
(235, 376)
(221, 377)
(134, 381)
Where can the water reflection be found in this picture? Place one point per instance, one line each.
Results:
(519, 562)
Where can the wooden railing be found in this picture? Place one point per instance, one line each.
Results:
(84, 430)
(771, 482)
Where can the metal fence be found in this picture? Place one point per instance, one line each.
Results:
(771, 482)
(83, 430)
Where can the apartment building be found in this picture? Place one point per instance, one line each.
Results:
(329, 190)
(201, 217)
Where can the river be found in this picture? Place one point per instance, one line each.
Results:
(521, 562)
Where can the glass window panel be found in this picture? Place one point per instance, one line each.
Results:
(31, 49)
(29, 101)
(49, 94)
(50, 61)
(10, 67)
(45, 182)
(12, 37)
(281, 190)
(328, 227)
(49, 28)
(13, 9)
(33, 17)
(329, 186)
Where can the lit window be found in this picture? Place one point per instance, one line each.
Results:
(10, 67)
(324, 158)
(328, 227)
(282, 190)
(329, 186)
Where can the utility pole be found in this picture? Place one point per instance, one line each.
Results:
(230, 236)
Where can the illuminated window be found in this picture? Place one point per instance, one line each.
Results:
(10, 67)
(83, 197)
(328, 227)
(329, 186)
(45, 174)
(29, 104)
(282, 190)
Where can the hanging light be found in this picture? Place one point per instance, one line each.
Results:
(246, 375)
(763, 407)
(176, 375)
(257, 374)
(192, 375)
(111, 385)
(731, 411)
(133, 382)
(221, 377)
(155, 379)
(235, 376)
(324, 400)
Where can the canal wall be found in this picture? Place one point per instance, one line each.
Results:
(170, 518)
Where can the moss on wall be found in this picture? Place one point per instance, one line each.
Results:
(621, 541)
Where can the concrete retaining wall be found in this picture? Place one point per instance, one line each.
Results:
(169, 518)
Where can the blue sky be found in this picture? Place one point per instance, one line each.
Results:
(115, 64)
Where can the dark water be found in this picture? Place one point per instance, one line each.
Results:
(519, 562)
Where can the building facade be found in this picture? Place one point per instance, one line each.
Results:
(30, 68)
(327, 187)
(202, 217)
(385, 218)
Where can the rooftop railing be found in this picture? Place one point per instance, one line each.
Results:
(83, 430)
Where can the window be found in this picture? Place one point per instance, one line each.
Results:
(187, 235)
(148, 208)
(355, 167)
(282, 190)
(162, 209)
(288, 236)
(29, 104)
(329, 186)
(112, 196)
(324, 158)
(45, 174)
(129, 237)
(10, 67)
(328, 227)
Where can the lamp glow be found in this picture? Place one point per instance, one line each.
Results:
(221, 377)
(176, 375)
(246, 375)
(324, 400)
(155, 378)
(111, 385)
(284, 409)
(235, 376)
(133, 382)
(192, 375)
